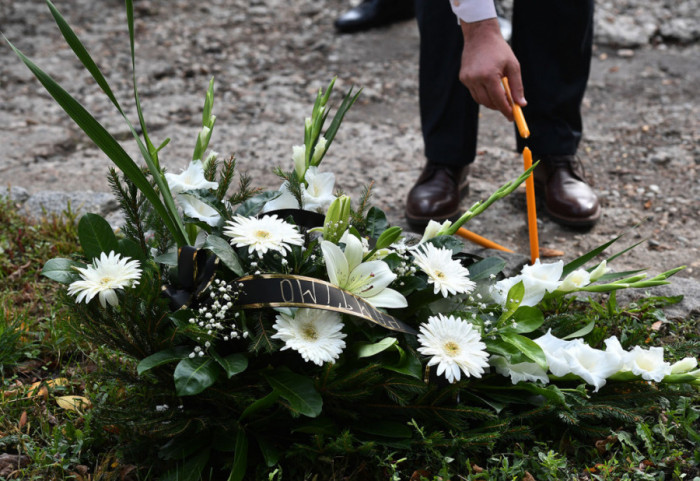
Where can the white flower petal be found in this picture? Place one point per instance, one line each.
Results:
(336, 263)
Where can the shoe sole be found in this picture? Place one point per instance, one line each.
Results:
(417, 223)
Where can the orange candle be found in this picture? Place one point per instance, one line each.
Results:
(531, 208)
(517, 111)
(482, 241)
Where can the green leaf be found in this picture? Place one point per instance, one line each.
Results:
(268, 450)
(513, 300)
(408, 364)
(581, 332)
(104, 140)
(527, 319)
(96, 236)
(190, 470)
(345, 105)
(485, 267)
(129, 248)
(580, 261)
(232, 364)
(260, 405)
(298, 390)
(223, 250)
(528, 347)
(62, 270)
(376, 222)
(240, 457)
(365, 349)
(253, 206)
(494, 346)
(162, 357)
(193, 376)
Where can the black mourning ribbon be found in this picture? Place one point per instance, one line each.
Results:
(303, 218)
(284, 290)
(196, 269)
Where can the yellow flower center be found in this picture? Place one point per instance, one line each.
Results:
(262, 234)
(440, 275)
(451, 348)
(105, 281)
(309, 332)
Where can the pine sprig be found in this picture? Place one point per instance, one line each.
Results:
(228, 169)
(132, 204)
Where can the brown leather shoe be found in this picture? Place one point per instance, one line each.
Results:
(569, 199)
(436, 194)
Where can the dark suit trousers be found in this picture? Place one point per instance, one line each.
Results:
(552, 40)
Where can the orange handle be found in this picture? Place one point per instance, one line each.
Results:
(482, 241)
(517, 111)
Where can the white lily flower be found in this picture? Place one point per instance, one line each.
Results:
(520, 371)
(191, 178)
(195, 208)
(368, 280)
(575, 281)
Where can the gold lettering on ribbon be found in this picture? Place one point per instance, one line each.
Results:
(282, 290)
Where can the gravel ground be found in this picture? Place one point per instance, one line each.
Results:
(269, 57)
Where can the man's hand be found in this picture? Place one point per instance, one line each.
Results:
(486, 59)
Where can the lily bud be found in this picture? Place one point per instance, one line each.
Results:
(388, 237)
(337, 219)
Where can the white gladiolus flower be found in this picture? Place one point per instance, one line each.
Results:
(553, 348)
(195, 208)
(447, 275)
(318, 194)
(684, 365)
(316, 334)
(261, 235)
(599, 271)
(104, 277)
(499, 290)
(520, 371)
(542, 277)
(455, 346)
(648, 363)
(368, 280)
(433, 229)
(592, 365)
(191, 178)
(285, 200)
(575, 281)
(299, 158)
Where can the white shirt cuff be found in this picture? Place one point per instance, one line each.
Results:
(473, 10)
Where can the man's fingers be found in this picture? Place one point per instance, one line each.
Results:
(499, 99)
(516, 85)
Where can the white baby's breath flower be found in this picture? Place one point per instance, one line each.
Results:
(195, 208)
(455, 346)
(105, 276)
(575, 281)
(191, 178)
(368, 280)
(261, 235)
(316, 334)
(447, 275)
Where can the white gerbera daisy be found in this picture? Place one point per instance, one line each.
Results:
(447, 275)
(104, 277)
(261, 235)
(454, 344)
(316, 334)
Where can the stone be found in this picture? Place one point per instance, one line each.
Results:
(17, 195)
(56, 202)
